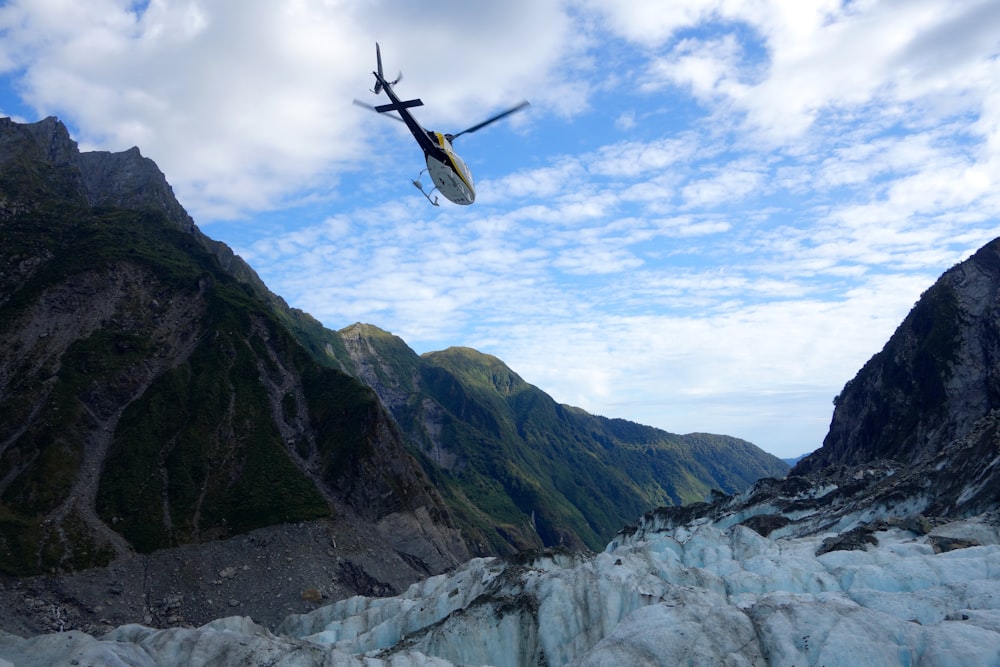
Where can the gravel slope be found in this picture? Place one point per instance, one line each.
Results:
(266, 574)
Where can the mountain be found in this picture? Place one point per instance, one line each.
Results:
(151, 398)
(792, 461)
(523, 470)
(934, 382)
(155, 394)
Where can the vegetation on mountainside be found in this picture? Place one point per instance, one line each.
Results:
(528, 470)
(197, 454)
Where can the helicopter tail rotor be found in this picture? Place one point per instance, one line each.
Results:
(380, 81)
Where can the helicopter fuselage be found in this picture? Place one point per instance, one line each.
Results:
(449, 173)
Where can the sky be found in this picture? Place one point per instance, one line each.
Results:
(712, 214)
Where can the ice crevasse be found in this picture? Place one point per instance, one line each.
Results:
(704, 593)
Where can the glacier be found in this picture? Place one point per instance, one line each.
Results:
(787, 573)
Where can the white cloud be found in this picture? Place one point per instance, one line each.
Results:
(731, 183)
(650, 22)
(706, 67)
(246, 105)
(633, 158)
(626, 121)
(818, 55)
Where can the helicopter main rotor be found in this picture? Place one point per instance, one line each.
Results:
(468, 130)
(488, 121)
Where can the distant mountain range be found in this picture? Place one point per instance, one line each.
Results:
(155, 393)
(523, 470)
(795, 459)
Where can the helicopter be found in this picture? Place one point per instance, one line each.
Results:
(451, 176)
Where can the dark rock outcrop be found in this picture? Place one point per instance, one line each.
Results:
(120, 180)
(932, 383)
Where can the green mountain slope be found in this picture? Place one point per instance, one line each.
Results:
(526, 470)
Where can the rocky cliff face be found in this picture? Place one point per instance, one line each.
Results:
(933, 382)
(45, 153)
(149, 398)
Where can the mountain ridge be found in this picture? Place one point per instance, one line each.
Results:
(478, 422)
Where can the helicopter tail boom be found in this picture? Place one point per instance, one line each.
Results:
(380, 81)
(400, 106)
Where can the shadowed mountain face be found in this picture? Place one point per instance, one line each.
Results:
(934, 382)
(149, 398)
(154, 393)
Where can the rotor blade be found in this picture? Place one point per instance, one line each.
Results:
(492, 119)
(371, 108)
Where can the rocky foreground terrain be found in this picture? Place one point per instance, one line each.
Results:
(267, 574)
(791, 572)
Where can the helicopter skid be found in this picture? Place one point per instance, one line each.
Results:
(420, 186)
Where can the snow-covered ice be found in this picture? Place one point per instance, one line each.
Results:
(707, 591)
